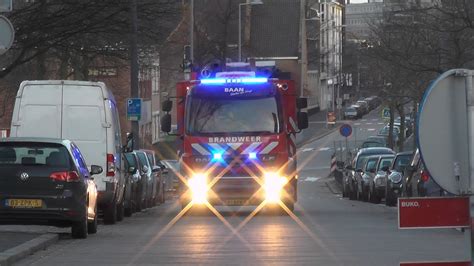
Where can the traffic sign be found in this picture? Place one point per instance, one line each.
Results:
(441, 212)
(443, 130)
(386, 113)
(345, 130)
(134, 109)
(6, 5)
(7, 34)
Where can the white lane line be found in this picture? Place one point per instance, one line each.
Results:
(357, 124)
(307, 149)
(312, 179)
(368, 123)
(363, 120)
(371, 129)
(325, 149)
(375, 119)
(380, 123)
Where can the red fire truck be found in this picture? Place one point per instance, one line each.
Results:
(237, 139)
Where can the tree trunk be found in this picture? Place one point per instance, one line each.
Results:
(401, 136)
(391, 145)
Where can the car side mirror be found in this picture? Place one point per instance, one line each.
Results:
(303, 121)
(132, 170)
(95, 170)
(145, 169)
(166, 106)
(156, 169)
(301, 103)
(166, 123)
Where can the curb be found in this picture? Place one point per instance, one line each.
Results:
(319, 136)
(10, 256)
(333, 186)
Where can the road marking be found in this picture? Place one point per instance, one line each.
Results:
(380, 123)
(357, 124)
(307, 149)
(363, 120)
(317, 122)
(325, 149)
(368, 123)
(371, 129)
(375, 119)
(312, 179)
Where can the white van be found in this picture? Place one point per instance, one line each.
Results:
(86, 113)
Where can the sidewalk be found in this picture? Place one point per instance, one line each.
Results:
(317, 128)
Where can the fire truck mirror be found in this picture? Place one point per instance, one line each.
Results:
(302, 120)
(301, 103)
(167, 106)
(166, 123)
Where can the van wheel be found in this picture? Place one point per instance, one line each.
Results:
(120, 211)
(79, 229)
(110, 213)
(92, 225)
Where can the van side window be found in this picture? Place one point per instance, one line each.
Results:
(117, 133)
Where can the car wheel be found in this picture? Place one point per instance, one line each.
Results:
(79, 228)
(92, 225)
(110, 213)
(120, 211)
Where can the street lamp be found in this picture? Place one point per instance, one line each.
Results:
(252, 2)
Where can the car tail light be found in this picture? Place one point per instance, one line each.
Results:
(110, 165)
(70, 176)
(425, 176)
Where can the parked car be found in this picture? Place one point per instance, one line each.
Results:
(378, 182)
(85, 112)
(47, 182)
(172, 181)
(385, 132)
(139, 187)
(364, 105)
(132, 183)
(150, 177)
(418, 181)
(372, 103)
(158, 170)
(368, 173)
(354, 170)
(359, 109)
(394, 185)
(351, 113)
(372, 144)
(380, 139)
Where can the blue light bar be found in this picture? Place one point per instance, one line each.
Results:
(217, 156)
(219, 81)
(253, 155)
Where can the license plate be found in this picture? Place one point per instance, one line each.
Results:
(24, 203)
(235, 202)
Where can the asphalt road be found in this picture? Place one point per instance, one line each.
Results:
(324, 230)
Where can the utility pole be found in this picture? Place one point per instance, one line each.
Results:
(304, 49)
(134, 67)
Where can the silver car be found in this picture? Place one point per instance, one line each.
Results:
(377, 184)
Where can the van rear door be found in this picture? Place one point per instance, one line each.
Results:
(38, 111)
(84, 122)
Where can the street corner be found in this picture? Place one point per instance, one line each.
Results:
(30, 243)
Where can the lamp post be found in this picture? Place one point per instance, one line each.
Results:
(252, 2)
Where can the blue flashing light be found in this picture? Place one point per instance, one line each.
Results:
(253, 155)
(217, 156)
(222, 81)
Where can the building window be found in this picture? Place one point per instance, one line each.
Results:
(155, 127)
(156, 80)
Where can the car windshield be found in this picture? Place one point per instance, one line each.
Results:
(130, 159)
(371, 164)
(143, 159)
(401, 162)
(350, 109)
(385, 130)
(385, 162)
(361, 160)
(33, 154)
(211, 115)
(372, 144)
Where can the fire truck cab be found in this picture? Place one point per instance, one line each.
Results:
(237, 139)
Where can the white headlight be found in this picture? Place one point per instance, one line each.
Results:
(198, 186)
(273, 186)
(395, 178)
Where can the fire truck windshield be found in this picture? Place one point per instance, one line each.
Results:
(223, 115)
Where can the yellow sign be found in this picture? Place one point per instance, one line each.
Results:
(331, 118)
